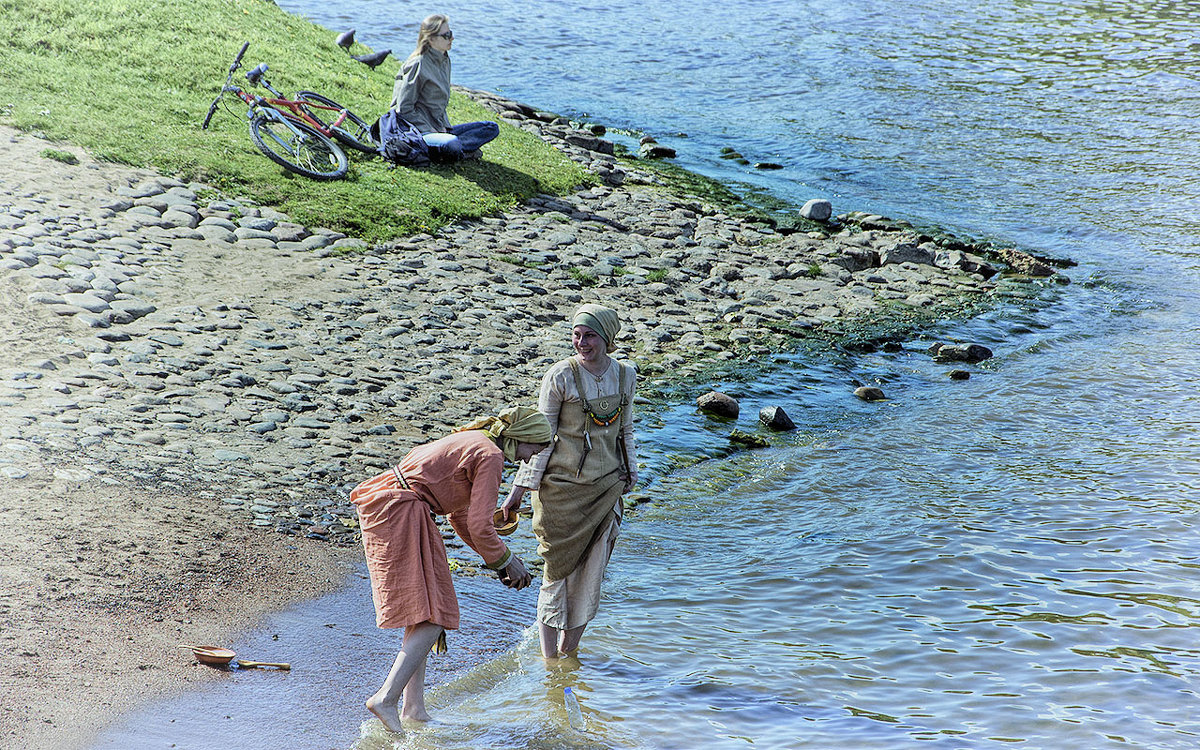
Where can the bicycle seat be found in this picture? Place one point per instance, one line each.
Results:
(257, 73)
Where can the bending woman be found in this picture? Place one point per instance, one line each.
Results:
(422, 92)
(588, 400)
(457, 476)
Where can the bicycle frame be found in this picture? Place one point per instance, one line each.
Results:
(280, 108)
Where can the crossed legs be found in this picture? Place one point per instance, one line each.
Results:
(406, 679)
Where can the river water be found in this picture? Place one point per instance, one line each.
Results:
(1006, 561)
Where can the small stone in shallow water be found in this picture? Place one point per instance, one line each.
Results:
(962, 352)
(869, 393)
(960, 375)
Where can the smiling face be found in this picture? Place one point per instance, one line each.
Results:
(590, 345)
(526, 451)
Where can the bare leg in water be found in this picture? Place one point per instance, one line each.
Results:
(406, 679)
(557, 643)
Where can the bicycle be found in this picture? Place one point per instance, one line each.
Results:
(297, 133)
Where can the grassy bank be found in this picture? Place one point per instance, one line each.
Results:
(131, 80)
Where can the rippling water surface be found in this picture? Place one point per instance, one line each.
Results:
(1005, 561)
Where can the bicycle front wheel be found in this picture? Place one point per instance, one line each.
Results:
(354, 131)
(299, 148)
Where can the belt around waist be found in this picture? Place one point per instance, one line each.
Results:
(400, 478)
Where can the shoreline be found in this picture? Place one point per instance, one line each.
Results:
(185, 372)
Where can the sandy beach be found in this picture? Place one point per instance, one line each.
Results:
(191, 384)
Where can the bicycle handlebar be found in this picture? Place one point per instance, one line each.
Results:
(237, 63)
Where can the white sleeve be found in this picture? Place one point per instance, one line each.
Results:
(550, 401)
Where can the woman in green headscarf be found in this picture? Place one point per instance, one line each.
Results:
(457, 476)
(588, 400)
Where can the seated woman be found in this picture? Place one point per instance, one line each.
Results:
(423, 89)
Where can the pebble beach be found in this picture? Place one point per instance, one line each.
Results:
(192, 382)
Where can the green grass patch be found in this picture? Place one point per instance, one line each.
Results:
(583, 277)
(656, 275)
(516, 261)
(66, 157)
(131, 80)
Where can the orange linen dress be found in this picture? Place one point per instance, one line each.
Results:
(457, 476)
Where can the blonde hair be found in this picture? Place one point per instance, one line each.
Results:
(429, 27)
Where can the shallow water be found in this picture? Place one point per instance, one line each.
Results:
(1008, 560)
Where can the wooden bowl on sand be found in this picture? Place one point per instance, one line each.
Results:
(213, 656)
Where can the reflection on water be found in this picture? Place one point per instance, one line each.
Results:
(514, 702)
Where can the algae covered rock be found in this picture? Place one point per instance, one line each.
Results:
(742, 437)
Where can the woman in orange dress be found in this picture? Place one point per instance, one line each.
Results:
(457, 476)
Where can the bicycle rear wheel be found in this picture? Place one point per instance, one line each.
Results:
(306, 152)
(354, 131)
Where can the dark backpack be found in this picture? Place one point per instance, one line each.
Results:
(399, 141)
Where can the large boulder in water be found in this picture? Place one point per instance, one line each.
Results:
(654, 150)
(718, 404)
(776, 418)
(1024, 263)
(964, 262)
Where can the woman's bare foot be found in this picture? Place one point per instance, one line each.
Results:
(389, 714)
(417, 714)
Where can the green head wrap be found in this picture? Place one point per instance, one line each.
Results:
(516, 424)
(603, 320)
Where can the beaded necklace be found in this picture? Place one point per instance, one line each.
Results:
(606, 415)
